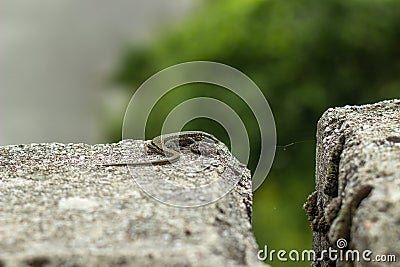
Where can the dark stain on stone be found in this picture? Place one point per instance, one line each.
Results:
(394, 139)
(37, 262)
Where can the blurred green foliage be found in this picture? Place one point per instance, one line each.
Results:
(306, 56)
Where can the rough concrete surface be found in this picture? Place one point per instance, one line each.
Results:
(58, 208)
(357, 197)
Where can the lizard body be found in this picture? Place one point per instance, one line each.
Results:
(168, 145)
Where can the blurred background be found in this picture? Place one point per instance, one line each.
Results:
(56, 60)
(69, 68)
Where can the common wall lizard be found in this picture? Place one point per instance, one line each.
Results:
(168, 145)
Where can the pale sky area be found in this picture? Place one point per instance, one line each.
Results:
(56, 57)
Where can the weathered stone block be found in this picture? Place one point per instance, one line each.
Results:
(58, 208)
(357, 197)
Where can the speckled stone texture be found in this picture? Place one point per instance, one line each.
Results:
(357, 195)
(58, 208)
